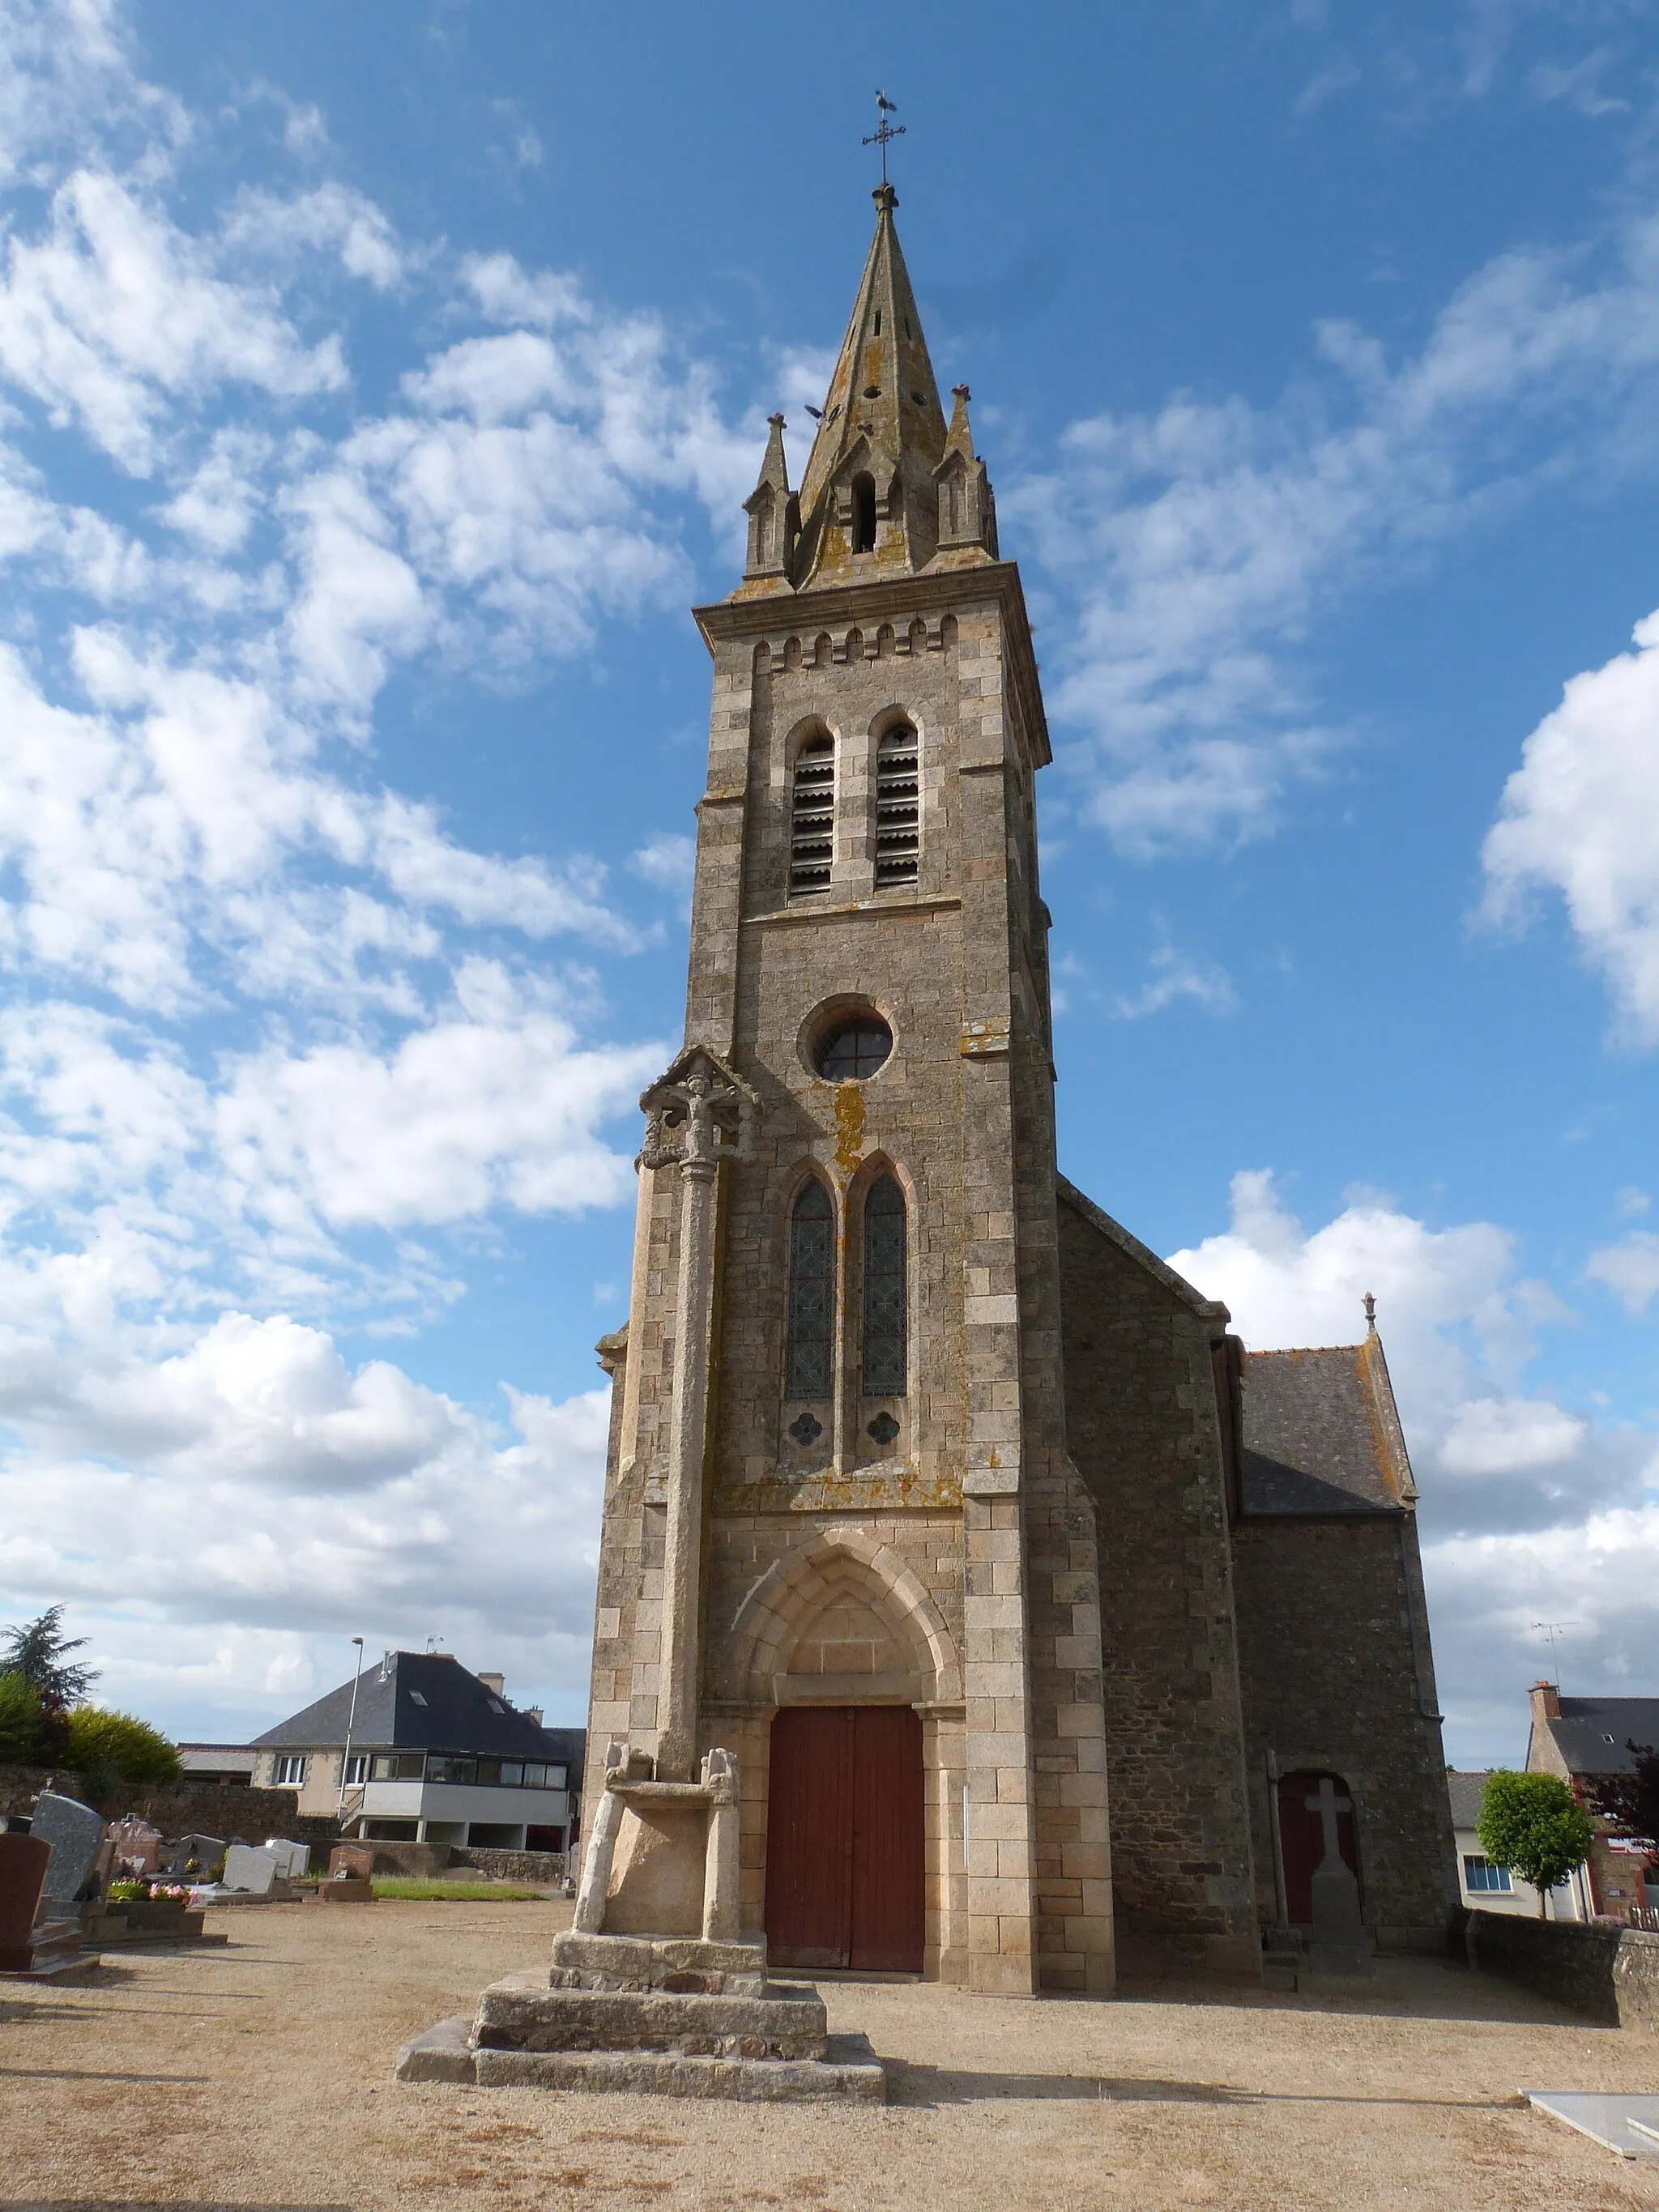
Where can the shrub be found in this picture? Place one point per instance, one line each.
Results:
(21, 1713)
(1534, 1824)
(116, 1743)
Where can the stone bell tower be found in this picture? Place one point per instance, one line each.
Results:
(843, 1544)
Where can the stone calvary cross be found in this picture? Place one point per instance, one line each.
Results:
(1327, 1804)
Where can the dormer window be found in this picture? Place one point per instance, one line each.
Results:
(864, 513)
(812, 817)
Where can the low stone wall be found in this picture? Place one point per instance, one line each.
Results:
(427, 1861)
(177, 1809)
(512, 1866)
(1605, 1972)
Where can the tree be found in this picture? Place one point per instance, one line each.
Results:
(1534, 1824)
(39, 1651)
(1631, 1802)
(117, 1745)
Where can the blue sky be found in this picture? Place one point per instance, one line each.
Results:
(378, 388)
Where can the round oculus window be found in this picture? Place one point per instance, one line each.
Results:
(853, 1048)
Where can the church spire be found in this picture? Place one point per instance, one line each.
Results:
(868, 503)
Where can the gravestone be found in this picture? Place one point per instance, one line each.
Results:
(74, 1832)
(351, 1862)
(137, 1845)
(251, 1869)
(23, 1862)
(293, 1860)
(205, 1851)
(1339, 1949)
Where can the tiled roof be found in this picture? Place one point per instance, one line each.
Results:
(1322, 1437)
(1592, 1732)
(426, 1701)
(1466, 1791)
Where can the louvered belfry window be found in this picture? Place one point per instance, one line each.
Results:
(812, 817)
(898, 807)
(885, 1315)
(812, 1293)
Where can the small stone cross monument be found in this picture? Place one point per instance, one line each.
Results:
(1341, 1949)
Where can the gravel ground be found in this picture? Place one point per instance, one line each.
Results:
(261, 2075)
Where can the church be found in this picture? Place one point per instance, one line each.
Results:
(1047, 1631)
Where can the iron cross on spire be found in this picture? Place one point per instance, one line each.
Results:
(884, 131)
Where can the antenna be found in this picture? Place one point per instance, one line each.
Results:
(1553, 1629)
(884, 131)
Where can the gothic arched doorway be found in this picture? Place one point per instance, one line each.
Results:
(845, 1853)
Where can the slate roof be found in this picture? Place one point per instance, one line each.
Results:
(1322, 1436)
(1586, 1723)
(1466, 1791)
(426, 1701)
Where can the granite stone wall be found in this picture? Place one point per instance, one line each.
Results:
(1336, 1679)
(1605, 1972)
(1142, 1426)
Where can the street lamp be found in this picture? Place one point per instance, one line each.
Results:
(351, 1722)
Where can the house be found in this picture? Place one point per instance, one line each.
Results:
(1583, 1741)
(434, 1754)
(1490, 1888)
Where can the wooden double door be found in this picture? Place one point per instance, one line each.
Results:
(845, 1874)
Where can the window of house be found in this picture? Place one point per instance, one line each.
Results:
(812, 817)
(416, 1699)
(288, 1771)
(445, 1767)
(884, 1316)
(898, 807)
(355, 1769)
(864, 513)
(397, 1766)
(1479, 1873)
(512, 1774)
(490, 1771)
(812, 1293)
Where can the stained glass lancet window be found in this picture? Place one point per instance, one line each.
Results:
(885, 1316)
(812, 1293)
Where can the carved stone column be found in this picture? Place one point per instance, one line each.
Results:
(698, 1113)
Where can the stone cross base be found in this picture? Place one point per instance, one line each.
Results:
(667, 2031)
(663, 1858)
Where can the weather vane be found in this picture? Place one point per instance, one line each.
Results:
(884, 131)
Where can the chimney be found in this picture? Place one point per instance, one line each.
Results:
(533, 1713)
(495, 1684)
(1545, 1701)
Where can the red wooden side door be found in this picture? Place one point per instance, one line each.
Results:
(844, 1853)
(1301, 1840)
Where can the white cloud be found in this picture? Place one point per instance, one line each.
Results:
(493, 1104)
(1630, 1268)
(262, 1484)
(1175, 977)
(114, 314)
(1580, 816)
(331, 218)
(1198, 545)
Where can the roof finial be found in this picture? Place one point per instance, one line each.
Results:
(885, 132)
(1370, 1314)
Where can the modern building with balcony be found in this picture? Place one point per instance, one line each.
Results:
(433, 1754)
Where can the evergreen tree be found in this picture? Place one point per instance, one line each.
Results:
(39, 1651)
(1534, 1824)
